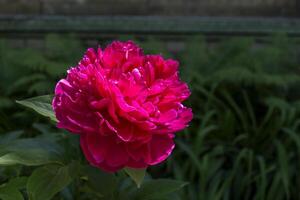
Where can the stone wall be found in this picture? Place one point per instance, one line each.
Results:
(153, 7)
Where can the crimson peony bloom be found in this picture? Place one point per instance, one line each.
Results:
(125, 105)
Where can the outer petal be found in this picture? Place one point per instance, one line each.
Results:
(160, 148)
(102, 151)
(154, 152)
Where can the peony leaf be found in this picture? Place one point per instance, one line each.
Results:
(46, 181)
(30, 152)
(137, 175)
(102, 183)
(32, 157)
(10, 191)
(10, 136)
(159, 188)
(41, 104)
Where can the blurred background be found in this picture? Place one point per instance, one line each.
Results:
(241, 59)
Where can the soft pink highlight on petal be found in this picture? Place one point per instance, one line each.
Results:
(126, 106)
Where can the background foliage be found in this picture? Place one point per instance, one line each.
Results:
(244, 141)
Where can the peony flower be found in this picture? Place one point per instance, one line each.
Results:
(125, 105)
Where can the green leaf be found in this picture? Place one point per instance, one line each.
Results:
(41, 104)
(19, 182)
(40, 142)
(10, 191)
(46, 181)
(10, 136)
(283, 166)
(103, 184)
(30, 152)
(29, 157)
(159, 188)
(137, 175)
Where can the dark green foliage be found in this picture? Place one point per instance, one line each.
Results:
(243, 143)
(30, 72)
